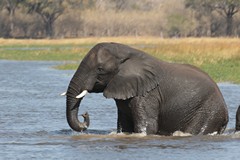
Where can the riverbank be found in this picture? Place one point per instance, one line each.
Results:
(219, 57)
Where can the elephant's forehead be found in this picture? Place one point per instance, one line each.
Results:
(92, 57)
(103, 56)
(99, 57)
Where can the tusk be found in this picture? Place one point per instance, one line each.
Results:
(63, 94)
(82, 94)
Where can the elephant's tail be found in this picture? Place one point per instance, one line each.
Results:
(237, 127)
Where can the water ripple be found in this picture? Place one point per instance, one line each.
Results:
(33, 123)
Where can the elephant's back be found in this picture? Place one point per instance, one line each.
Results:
(187, 90)
(186, 85)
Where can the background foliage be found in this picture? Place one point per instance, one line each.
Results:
(84, 18)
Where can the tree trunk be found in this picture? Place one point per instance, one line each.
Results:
(229, 28)
(11, 18)
(49, 28)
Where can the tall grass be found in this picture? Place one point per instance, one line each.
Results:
(219, 57)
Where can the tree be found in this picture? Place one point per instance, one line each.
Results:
(226, 8)
(10, 6)
(120, 4)
(49, 11)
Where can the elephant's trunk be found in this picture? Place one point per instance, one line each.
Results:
(73, 106)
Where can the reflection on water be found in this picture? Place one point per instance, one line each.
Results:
(33, 123)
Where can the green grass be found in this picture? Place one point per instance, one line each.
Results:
(46, 53)
(68, 66)
(220, 58)
(224, 70)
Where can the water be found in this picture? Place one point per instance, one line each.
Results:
(33, 123)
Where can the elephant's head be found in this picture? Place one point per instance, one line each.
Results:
(119, 71)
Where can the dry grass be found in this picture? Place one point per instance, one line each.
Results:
(80, 41)
(199, 47)
(210, 49)
(121, 39)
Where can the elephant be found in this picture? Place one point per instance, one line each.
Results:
(152, 96)
(237, 128)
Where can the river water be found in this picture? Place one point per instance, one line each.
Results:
(33, 123)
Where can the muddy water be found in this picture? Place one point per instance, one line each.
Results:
(33, 123)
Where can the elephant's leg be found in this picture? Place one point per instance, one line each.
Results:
(209, 119)
(119, 125)
(139, 117)
(124, 119)
(217, 122)
(145, 114)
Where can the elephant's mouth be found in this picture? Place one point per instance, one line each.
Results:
(99, 87)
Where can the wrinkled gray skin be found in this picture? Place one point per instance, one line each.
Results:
(238, 119)
(152, 96)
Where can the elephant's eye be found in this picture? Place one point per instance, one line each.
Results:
(100, 69)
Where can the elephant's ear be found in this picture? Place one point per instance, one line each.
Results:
(136, 76)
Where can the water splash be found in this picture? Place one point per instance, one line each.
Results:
(181, 134)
